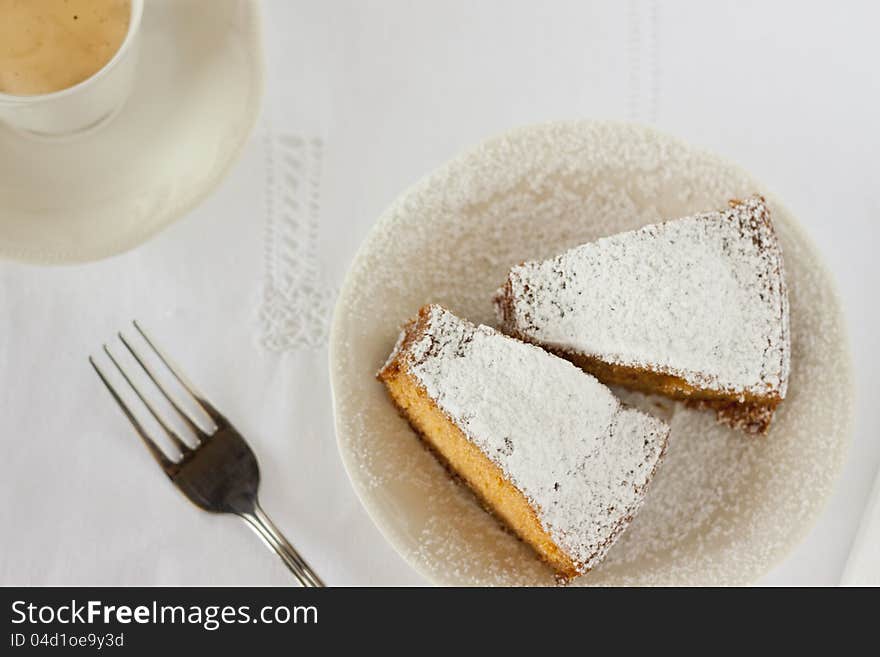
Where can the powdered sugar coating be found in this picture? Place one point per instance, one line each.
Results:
(702, 298)
(562, 438)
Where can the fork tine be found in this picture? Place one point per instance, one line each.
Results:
(171, 433)
(203, 403)
(190, 421)
(167, 464)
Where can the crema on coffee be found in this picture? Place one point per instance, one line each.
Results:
(50, 45)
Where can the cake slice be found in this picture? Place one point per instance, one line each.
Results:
(694, 309)
(548, 449)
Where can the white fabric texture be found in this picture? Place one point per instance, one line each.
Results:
(362, 99)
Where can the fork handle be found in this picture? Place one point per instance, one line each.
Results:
(272, 536)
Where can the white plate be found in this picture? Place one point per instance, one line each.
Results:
(196, 98)
(724, 508)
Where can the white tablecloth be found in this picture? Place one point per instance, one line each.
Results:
(362, 99)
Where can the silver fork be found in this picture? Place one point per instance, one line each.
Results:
(220, 474)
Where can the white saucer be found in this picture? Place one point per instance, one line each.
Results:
(724, 507)
(197, 97)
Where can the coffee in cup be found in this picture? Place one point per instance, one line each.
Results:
(51, 45)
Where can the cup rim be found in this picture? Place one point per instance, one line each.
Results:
(134, 23)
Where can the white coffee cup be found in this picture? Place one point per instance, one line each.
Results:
(84, 106)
